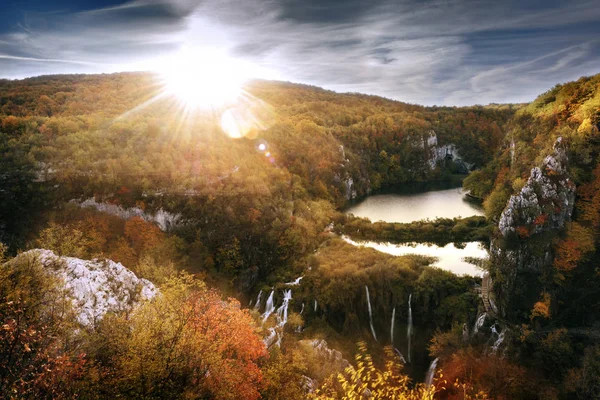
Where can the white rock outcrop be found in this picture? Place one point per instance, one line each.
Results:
(548, 191)
(97, 286)
(165, 220)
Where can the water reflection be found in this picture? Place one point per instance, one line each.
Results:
(449, 257)
(405, 208)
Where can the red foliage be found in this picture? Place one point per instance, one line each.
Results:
(541, 219)
(142, 234)
(31, 364)
(522, 231)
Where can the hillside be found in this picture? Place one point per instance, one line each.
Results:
(247, 200)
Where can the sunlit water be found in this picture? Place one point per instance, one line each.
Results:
(409, 207)
(448, 257)
(448, 203)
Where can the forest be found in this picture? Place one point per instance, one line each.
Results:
(258, 297)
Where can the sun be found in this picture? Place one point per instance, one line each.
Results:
(203, 79)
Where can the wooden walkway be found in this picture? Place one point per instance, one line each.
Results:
(486, 288)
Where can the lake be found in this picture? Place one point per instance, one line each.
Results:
(413, 205)
(449, 257)
(409, 207)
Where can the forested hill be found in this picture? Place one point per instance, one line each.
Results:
(242, 198)
(107, 136)
(543, 191)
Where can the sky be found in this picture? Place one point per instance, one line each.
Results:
(431, 52)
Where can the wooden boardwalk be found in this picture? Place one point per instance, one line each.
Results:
(486, 287)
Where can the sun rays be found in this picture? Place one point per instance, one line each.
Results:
(208, 85)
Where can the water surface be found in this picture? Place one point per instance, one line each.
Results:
(449, 257)
(409, 207)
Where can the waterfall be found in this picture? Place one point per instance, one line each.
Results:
(282, 312)
(392, 326)
(276, 332)
(370, 313)
(315, 305)
(257, 305)
(409, 330)
(431, 372)
(268, 341)
(295, 282)
(282, 315)
(269, 307)
(400, 355)
(498, 342)
(302, 310)
(479, 323)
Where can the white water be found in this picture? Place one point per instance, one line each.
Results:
(295, 282)
(257, 305)
(409, 329)
(315, 305)
(370, 313)
(282, 311)
(499, 340)
(479, 323)
(431, 372)
(302, 310)
(449, 257)
(269, 307)
(392, 326)
(276, 332)
(282, 315)
(400, 355)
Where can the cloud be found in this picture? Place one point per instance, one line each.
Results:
(453, 52)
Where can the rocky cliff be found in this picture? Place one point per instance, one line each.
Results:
(96, 287)
(522, 248)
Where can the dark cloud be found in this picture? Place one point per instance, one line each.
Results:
(326, 11)
(430, 52)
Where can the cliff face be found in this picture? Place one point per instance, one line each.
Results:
(546, 201)
(96, 287)
(522, 249)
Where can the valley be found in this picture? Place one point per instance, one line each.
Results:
(328, 225)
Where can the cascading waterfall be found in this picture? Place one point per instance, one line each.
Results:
(498, 342)
(276, 332)
(409, 330)
(269, 307)
(400, 355)
(295, 282)
(499, 339)
(392, 326)
(257, 305)
(302, 310)
(282, 315)
(479, 323)
(282, 311)
(315, 305)
(370, 313)
(431, 372)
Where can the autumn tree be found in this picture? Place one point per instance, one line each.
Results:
(188, 342)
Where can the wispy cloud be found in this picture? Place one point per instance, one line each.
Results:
(429, 52)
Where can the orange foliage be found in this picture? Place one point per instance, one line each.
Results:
(228, 334)
(30, 363)
(142, 234)
(522, 231)
(542, 308)
(541, 219)
(572, 249)
(502, 174)
(10, 124)
(492, 374)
